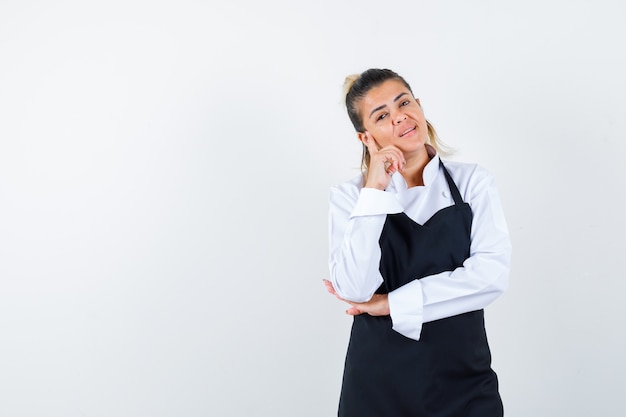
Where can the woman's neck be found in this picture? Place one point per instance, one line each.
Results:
(413, 172)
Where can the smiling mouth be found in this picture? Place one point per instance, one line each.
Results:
(407, 131)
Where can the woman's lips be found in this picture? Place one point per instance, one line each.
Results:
(407, 131)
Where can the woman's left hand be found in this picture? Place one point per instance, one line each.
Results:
(378, 305)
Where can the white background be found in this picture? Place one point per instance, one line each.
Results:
(164, 172)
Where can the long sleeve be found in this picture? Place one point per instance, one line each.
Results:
(483, 276)
(356, 218)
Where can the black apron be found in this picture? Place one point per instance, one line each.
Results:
(447, 373)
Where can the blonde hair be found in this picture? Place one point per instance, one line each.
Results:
(356, 86)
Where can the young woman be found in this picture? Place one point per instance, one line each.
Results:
(418, 247)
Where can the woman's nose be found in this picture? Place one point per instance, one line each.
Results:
(400, 118)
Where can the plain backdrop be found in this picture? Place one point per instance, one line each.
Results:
(164, 174)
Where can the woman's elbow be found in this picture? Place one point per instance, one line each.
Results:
(350, 290)
(501, 284)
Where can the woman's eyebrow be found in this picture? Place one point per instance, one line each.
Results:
(398, 97)
(378, 108)
(384, 105)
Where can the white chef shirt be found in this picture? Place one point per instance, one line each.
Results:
(356, 219)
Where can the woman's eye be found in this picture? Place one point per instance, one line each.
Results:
(381, 116)
(405, 103)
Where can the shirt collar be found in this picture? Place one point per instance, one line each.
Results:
(432, 167)
(430, 171)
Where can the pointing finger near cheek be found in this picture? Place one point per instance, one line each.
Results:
(371, 144)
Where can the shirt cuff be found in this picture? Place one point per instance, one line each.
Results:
(373, 201)
(406, 307)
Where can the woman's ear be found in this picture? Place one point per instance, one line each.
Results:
(362, 137)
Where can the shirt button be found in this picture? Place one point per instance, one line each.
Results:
(445, 194)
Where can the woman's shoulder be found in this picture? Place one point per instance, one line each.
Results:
(466, 170)
(471, 178)
(351, 188)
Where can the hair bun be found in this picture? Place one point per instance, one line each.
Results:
(349, 82)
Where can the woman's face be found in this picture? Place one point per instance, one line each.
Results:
(392, 116)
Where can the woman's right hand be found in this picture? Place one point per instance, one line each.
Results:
(378, 305)
(384, 162)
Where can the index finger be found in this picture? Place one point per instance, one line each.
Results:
(371, 144)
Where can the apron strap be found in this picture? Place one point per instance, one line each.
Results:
(456, 195)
